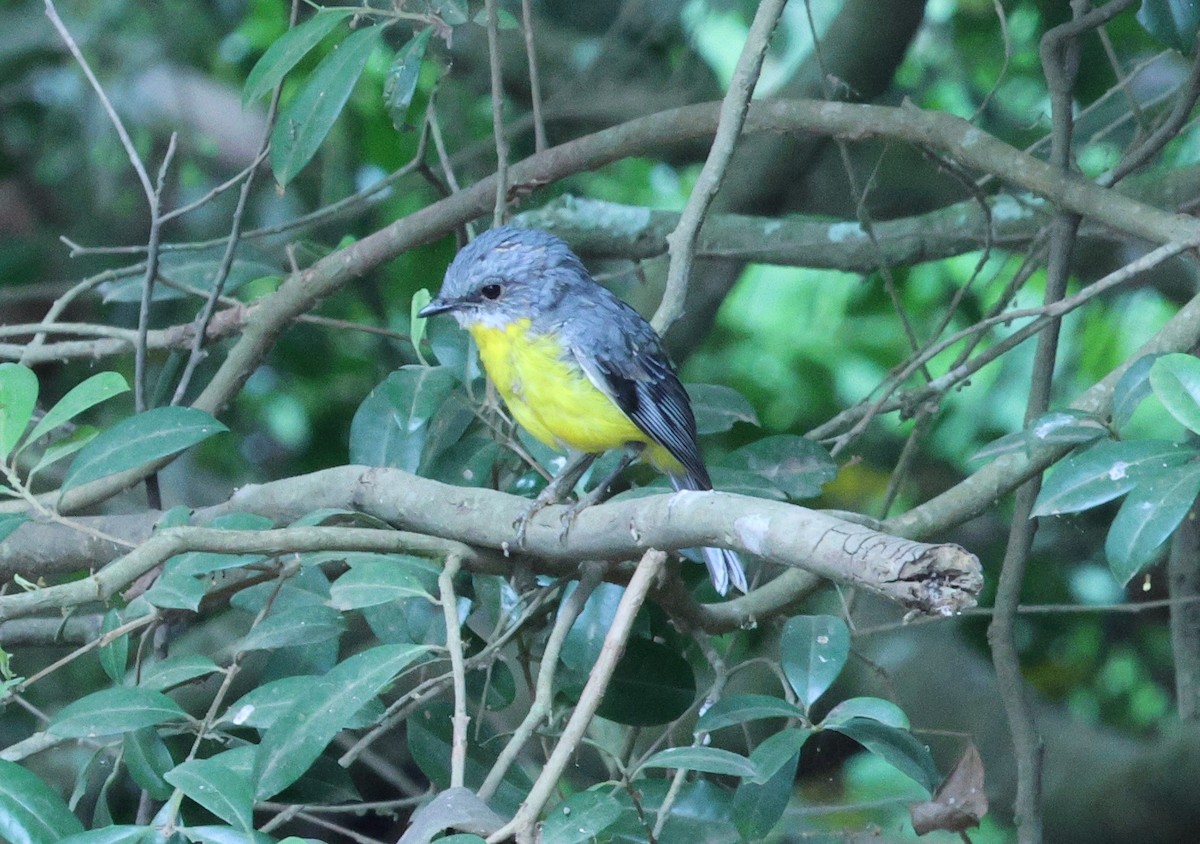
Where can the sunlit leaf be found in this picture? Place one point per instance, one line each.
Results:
(18, 396)
(303, 124)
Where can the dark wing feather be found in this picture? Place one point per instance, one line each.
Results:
(629, 365)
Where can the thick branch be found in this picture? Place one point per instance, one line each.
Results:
(928, 578)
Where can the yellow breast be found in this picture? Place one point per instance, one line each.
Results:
(548, 394)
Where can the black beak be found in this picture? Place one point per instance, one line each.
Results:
(437, 306)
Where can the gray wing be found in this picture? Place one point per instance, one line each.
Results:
(623, 357)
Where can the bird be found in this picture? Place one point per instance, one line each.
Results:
(577, 367)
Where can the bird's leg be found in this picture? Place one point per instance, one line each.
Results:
(598, 493)
(555, 491)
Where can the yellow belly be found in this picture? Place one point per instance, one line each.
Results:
(552, 398)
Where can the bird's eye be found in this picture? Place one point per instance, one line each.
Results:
(491, 291)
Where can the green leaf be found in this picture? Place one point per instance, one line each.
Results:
(261, 707)
(10, 522)
(224, 792)
(1132, 388)
(1175, 379)
(378, 579)
(289, 747)
(1148, 517)
(878, 709)
(30, 811)
(292, 627)
(797, 465)
(1103, 472)
(18, 397)
(119, 834)
(452, 12)
(228, 835)
(112, 711)
(717, 408)
(65, 447)
(417, 325)
(895, 746)
(176, 670)
(429, 739)
(580, 817)
(741, 709)
(402, 77)
(176, 590)
(391, 425)
(709, 760)
(1173, 22)
(305, 121)
(99, 388)
(813, 649)
(775, 751)
(451, 808)
(148, 759)
(652, 684)
(701, 812)
(757, 807)
(288, 50)
(115, 655)
(139, 440)
(1060, 427)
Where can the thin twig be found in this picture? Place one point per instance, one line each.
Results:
(535, 87)
(543, 700)
(126, 142)
(454, 645)
(682, 241)
(1060, 52)
(493, 38)
(152, 256)
(523, 822)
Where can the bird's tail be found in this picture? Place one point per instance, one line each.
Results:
(724, 567)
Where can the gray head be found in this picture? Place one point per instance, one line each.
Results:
(506, 274)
